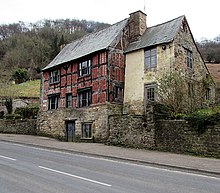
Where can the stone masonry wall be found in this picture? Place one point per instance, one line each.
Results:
(25, 126)
(131, 131)
(52, 122)
(179, 136)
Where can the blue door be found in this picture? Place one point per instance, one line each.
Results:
(70, 131)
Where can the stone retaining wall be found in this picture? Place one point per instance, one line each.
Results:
(131, 131)
(179, 136)
(25, 126)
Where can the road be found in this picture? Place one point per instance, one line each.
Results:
(26, 169)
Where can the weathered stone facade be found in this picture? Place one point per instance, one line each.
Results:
(170, 56)
(131, 131)
(53, 122)
(25, 126)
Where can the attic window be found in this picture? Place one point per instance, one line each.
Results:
(85, 68)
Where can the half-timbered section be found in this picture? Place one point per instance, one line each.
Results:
(83, 85)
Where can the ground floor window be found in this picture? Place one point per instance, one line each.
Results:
(87, 130)
(150, 92)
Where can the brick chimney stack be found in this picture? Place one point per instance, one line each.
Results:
(137, 25)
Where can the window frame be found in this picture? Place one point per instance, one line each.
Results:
(151, 94)
(53, 102)
(84, 97)
(150, 58)
(69, 102)
(84, 68)
(54, 76)
(86, 130)
(189, 58)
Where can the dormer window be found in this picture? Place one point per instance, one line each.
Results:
(85, 68)
(54, 76)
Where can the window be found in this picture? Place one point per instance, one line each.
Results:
(69, 100)
(189, 59)
(54, 76)
(87, 130)
(53, 102)
(208, 94)
(85, 68)
(84, 98)
(118, 94)
(150, 92)
(150, 58)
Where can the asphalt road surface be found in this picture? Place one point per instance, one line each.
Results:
(25, 169)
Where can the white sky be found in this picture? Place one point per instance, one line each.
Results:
(203, 16)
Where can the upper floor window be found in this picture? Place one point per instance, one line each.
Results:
(53, 102)
(54, 76)
(85, 68)
(84, 98)
(69, 100)
(150, 58)
(189, 60)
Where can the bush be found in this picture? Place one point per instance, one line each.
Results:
(9, 104)
(27, 112)
(20, 75)
(202, 118)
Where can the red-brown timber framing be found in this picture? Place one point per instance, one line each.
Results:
(107, 74)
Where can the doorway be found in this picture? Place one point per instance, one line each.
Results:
(70, 131)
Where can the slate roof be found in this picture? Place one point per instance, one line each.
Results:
(89, 44)
(159, 34)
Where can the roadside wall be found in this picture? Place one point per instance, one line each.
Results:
(25, 126)
(179, 136)
(131, 131)
(53, 122)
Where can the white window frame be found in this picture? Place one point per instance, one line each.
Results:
(85, 68)
(53, 102)
(54, 76)
(150, 92)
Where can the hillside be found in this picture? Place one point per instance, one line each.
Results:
(26, 89)
(32, 46)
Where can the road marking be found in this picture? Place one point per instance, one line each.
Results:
(9, 158)
(118, 161)
(74, 176)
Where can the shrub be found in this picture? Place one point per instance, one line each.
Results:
(27, 112)
(20, 75)
(9, 104)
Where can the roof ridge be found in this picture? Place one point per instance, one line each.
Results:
(182, 16)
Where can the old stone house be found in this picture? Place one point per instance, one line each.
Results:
(163, 49)
(85, 82)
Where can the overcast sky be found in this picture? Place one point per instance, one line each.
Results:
(203, 16)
